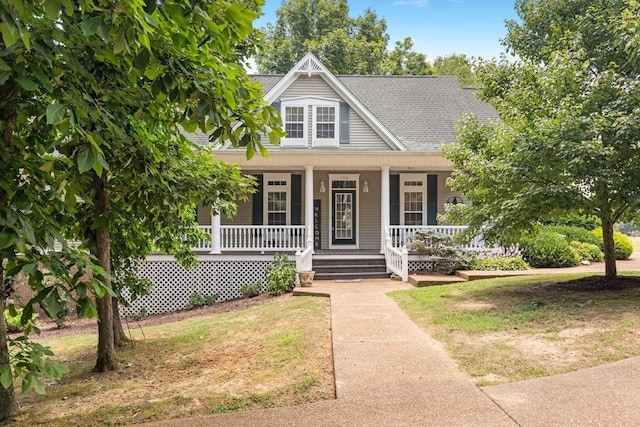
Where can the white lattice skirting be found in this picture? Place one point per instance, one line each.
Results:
(173, 284)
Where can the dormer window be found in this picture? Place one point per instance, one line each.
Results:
(295, 124)
(311, 122)
(325, 124)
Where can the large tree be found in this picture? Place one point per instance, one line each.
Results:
(76, 76)
(404, 61)
(458, 65)
(568, 138)
(345, 45)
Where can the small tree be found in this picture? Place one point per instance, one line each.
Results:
(569, 129)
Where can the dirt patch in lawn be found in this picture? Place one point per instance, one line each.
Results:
(240, 355)
(512, 329)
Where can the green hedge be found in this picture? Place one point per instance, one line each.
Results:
(13, 320)
(499, 264)
(587, 251)
(623, 245)
(573, 234)
(548, 249)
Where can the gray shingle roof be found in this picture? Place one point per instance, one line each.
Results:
(421, 111)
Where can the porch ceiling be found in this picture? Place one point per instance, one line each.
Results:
(333, 160)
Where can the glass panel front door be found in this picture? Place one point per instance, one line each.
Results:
(344, 217)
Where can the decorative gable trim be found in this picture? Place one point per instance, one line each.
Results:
(310, 65)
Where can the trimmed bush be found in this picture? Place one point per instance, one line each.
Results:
(587, 222)
(573, 234)
(622, 243)
(548, 249)
(13, 315)
(587, 251)
(499, 264)
(281, 276)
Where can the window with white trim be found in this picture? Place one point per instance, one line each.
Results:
(413, 193)
(325, 125)
(318, 116)
(277, 199)
(295, 124)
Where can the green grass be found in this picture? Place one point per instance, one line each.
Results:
(510, 329)
(273, 355)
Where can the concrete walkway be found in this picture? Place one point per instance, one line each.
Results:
(390, 373)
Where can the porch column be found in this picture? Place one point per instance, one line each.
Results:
(384, 206)
(215, 234)
(308, 205)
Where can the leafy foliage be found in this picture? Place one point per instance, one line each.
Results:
(13, 317)
(30, 361)
(548, 249)
(572, 233)
(498, 264)
(588, 222)
(281, 275)
(458, 65)
(442, 250)
(587, 251)
(250, 290)
(622, 243)
(568, 133)
(197, 300)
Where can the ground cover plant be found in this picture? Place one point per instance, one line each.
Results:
(513, 329)
(270, 352)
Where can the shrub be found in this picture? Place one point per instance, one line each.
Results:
(499, 264)
(572, 233)
(13, 318)
(587, 222)
(251, 290)
(197, 300)
(622, 243)
(281, 276)
(587, 251)
(548, 249)
(446, 255)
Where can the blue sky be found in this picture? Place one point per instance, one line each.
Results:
(437, 27)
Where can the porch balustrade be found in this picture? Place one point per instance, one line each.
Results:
(401, 234)
(256, 238)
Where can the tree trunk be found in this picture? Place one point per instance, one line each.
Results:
(610, 268)
(8, 403)
(106, 349)
(119, 336)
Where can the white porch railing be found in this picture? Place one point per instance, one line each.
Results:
(400, 235)
(397, 259)
(256, 238)
(304, 261)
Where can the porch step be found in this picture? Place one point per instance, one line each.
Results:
(340, 268)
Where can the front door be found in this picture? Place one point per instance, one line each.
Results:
(343, 227)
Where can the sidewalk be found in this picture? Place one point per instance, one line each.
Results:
(390, 373)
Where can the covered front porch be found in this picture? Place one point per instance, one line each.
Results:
(298, 241)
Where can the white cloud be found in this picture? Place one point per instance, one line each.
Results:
(417, 3)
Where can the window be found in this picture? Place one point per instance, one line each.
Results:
(319, 117)
(277, 199)
(295, 124)
(325, 123)
(412, 187)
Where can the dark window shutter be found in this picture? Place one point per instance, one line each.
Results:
(257, 214)
(344, 123)
(296, 199)
(432, 199)
(394, 199)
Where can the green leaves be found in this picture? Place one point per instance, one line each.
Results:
(55, 113)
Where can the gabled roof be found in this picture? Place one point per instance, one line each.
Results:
(414, 113)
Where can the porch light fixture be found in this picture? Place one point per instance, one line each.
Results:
(365, 186)
(322, 187)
